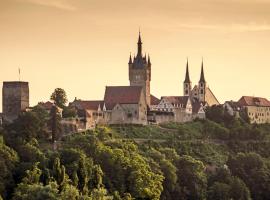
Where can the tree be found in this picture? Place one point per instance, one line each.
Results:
(8, 161)
(55, 123)
(192, 179)
(252, 169)
(59, 97)
(220, 191)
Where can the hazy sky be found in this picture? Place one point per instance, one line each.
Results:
(84, 45)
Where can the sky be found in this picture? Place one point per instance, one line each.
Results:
(84, 45)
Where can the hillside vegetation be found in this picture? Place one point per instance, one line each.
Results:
(222, 158)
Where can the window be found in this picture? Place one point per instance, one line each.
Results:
(201, 91)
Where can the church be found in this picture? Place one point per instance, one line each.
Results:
(134, 104)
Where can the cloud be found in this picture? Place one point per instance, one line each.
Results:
(232, 27)
(60, 4)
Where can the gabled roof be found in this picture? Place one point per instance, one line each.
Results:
(208, 90)
(196, 106)
(253, 101)
(154, 100)
(177, 100)
(122, 95)
(88, 105)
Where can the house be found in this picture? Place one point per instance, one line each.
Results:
(198, 110)
(125, 105)
(232, 108)
(256, 108)
(89, 113)
(172, 108)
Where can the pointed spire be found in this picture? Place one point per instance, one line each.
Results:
(139, 44)
(202, 79)
(130, 59)
(149, 61)
(187, 79)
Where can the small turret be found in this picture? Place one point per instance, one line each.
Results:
(130, 59)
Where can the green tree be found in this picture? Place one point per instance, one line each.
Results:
(252, 169)
(192, 179)
(220, 191)
(59, 97)
(8, 162)
(55, 122)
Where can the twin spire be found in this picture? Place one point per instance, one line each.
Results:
(187, 79)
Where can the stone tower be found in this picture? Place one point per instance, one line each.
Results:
(140, 71)
(187, 83)
(15, 98)
(202, 86)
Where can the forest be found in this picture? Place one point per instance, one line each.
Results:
(218, 158)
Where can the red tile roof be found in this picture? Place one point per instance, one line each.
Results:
(88, 105)
(177, 99)
(122, 95)
(253, 101)
(154, 100)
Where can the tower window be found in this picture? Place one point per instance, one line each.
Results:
(201, 85)
(201, 91)
(186, 91)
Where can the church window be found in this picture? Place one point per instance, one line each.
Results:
(201, 85)
(201, 91)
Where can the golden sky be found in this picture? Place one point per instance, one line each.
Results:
(84, 45)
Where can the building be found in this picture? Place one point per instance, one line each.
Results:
(172, 108)
(232, 108)
(15, 99)
(89, 113)
(200, 92)
(140, 71)
(256, 108)
(125, 105)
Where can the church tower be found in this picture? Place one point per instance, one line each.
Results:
(187, 83)
(140, 71)
(202, 86)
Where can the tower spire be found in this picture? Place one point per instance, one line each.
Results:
(187, 79)
(130, 59)
(139, 44)
(202, 79)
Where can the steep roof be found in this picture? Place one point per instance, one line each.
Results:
(122, 95)
(177, 99)
(253, 101)
(187, 79)
(154, 100)
(202, 79)
(196, 106)
(88, 105)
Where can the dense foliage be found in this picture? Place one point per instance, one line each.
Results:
(222, 158)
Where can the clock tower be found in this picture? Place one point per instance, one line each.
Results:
(140, 71)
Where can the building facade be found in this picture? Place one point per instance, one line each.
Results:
(257, 109)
